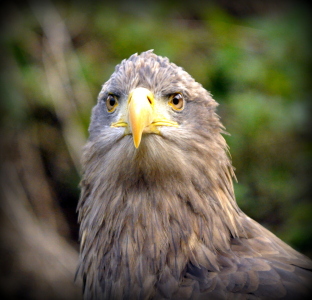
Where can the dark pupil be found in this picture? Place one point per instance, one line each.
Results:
(112, 101)
(176, 100)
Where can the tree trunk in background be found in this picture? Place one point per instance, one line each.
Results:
(36, 257)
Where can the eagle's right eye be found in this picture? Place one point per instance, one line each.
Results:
(111, 103)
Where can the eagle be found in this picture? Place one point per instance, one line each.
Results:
(157, 212)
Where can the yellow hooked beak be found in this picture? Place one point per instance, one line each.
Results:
(140, 112)
(142, 116)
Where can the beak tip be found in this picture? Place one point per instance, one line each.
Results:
(136, 143)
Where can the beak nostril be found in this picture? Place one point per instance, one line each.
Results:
(149, 100)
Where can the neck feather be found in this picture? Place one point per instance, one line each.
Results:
(142, 206)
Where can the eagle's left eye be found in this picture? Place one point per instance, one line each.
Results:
(111, 103)
(176, 101)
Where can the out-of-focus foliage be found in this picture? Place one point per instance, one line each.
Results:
(253, 57)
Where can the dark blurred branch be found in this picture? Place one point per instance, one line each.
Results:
(61, 64)
(36, 261)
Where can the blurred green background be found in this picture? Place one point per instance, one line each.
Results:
(254, 56)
